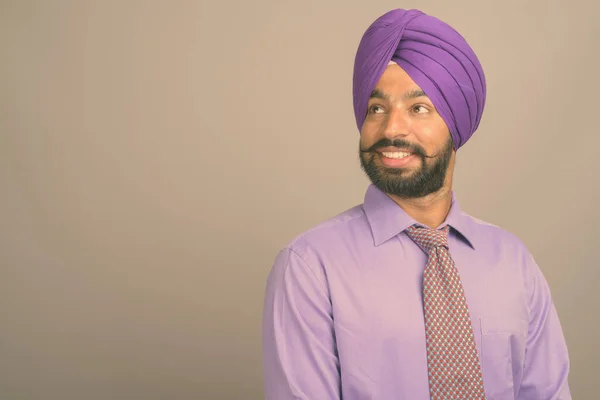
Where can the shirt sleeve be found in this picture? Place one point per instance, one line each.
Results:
(546, 369)
(299, 352)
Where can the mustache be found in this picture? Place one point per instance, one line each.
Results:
(400, 144)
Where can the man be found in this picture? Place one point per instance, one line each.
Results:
(405, 296)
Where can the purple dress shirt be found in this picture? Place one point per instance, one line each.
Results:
(343, 313)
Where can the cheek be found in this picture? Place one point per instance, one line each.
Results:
(432, 134)
(365, 143)
(368, 136)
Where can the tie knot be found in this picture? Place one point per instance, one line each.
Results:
(428, 238)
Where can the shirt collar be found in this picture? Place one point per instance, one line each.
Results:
(387, 219)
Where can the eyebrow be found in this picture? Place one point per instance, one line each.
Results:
(413, 94)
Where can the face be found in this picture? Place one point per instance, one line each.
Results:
(405, 146)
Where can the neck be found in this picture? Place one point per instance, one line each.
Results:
(430, 210)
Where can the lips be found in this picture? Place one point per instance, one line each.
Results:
(395, 154)
(396, 158)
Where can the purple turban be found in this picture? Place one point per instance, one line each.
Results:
(435, 56)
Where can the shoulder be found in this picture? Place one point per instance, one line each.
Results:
(326, 234)
(506, 250)
(496, 238)
(303, 255)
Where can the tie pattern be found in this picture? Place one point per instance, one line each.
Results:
(452, 359)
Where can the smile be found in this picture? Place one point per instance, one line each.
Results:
(395, 154)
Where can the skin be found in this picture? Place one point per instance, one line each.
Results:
(400, 110)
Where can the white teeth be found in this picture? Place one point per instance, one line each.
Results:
(395, 154)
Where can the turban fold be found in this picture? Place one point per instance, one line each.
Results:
(435, 56)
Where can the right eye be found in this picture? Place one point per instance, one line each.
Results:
(375, 109)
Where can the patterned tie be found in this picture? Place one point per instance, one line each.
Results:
(452, 359)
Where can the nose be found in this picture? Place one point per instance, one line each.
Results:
(396, 124)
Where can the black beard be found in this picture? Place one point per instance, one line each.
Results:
(394, 181)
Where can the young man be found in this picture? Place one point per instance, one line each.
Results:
(405, 296)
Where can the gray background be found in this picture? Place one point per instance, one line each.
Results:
(155, 155)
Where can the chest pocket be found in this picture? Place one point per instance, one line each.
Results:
(502, 355)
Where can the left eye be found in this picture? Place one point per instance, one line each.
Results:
(420, 109)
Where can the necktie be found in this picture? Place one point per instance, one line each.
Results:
(452, 359)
